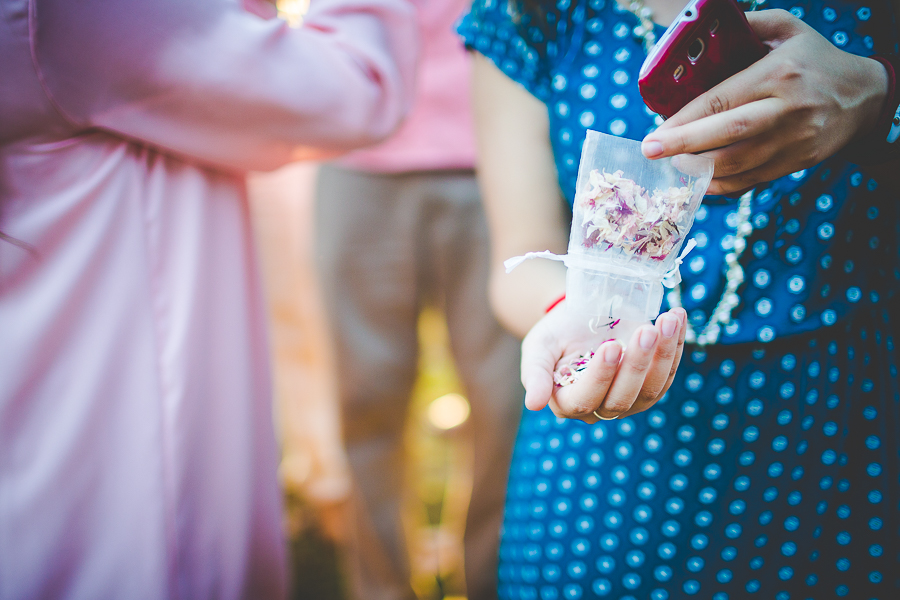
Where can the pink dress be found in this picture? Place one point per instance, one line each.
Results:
(137, 453)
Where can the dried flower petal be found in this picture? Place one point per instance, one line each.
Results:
(621, 214)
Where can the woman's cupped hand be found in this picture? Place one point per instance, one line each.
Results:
(620, 380)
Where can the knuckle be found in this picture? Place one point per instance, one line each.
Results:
(728, 164)
(737, 128)
(788, 70)
(639, 368)
(649, 395)
(783, 17)
(577, 409)
(666, 355)
(616, 405)
(717, 104)
(672, 370)
(678, 143)
(599, 378)
(642, 406)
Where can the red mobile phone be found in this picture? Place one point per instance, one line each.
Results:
(707, 43)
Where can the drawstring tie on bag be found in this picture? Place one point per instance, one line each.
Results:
(670, 278)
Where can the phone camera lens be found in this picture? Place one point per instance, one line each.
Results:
(714, 27)
(695, 50)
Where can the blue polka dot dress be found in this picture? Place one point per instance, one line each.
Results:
(770, 469)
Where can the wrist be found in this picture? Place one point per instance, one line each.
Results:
(872, 145)
(884, 102)
(556, 302)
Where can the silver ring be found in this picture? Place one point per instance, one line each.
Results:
(596, 414)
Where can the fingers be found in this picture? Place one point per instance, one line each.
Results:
(633, 370)
(735, 185)
(742, 88)
(672, 327)
(669, 326)
(681, 314)
(580, 399)
(717, 130)
(611, 386)
(773, 26)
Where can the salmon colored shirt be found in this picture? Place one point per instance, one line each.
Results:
(439, 132)
(137, 452)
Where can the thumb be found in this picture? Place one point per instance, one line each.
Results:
(538, 362)
(775, 26)
(538, 388)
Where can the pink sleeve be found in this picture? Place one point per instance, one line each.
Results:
(212, 82)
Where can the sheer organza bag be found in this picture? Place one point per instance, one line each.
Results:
(630, 220)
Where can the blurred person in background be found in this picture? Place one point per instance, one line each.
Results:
(401, 225)
(137, 452)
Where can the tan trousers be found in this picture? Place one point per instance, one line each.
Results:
(386, 246)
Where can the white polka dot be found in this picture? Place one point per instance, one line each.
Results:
(761, 278)
(617, 127)
(825, 231)
(796, 284)
(794, 254)
(697, 264)
(618, 101)
(824, 203)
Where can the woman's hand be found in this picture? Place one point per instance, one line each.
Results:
(792, 109)
(612, 385)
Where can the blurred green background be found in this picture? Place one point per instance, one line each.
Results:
(438, 483)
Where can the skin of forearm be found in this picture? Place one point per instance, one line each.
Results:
(518, 181)
(520, 298)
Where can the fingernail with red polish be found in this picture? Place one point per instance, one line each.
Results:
(651, 149)
(611, 352)
(648, 338)
(669, 325)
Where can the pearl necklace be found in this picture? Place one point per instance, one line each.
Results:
(734, 275)
(644, 30)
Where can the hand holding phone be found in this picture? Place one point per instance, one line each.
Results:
(707, 43)
(798, 105)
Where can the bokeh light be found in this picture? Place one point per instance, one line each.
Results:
(448, 411)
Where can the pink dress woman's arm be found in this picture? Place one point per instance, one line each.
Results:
(209, 81)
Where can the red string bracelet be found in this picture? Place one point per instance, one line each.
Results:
(555, 302)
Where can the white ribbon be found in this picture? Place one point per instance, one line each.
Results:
(515, 261)
(672, 277)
